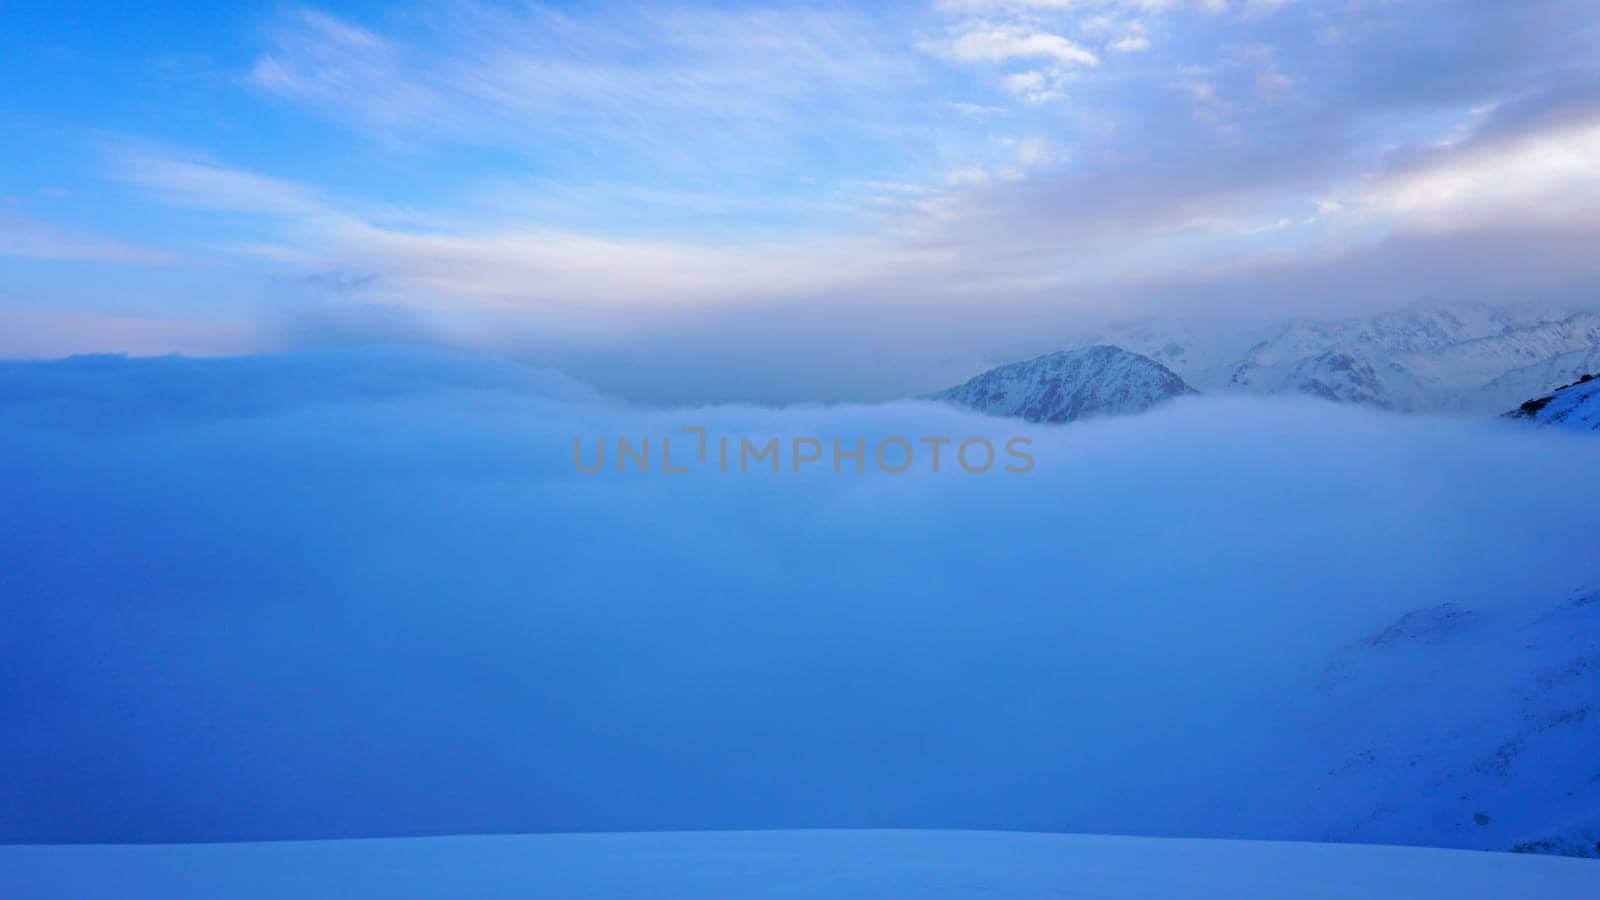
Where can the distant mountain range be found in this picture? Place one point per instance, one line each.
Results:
(1466, 358)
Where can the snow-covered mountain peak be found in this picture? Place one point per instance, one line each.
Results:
(1069, 385)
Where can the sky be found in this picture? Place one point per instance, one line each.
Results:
(700, 200)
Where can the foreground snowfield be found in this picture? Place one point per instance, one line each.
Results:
(786, 864)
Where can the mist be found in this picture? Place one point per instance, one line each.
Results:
(368, 593)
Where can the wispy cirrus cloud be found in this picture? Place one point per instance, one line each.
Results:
(336, 66)
(26, 237)
(192, 179)
(1272, 136)
(445, 264)
(532, 76)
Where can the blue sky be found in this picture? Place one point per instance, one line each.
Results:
(593, 182)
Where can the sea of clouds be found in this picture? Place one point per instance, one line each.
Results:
(369, 593)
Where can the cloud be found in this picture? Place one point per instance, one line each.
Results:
(47, 333)
(23, 236)
(621, 178)
(335, 65)
(978, 109)
(619, 82)
(1036, 152)
(996, 43)
(1030, 235)
(553, 269)
(569, 277)
(362, 594)
(1033, 85)
(1546, 176)
(999, 43)
(193, 180)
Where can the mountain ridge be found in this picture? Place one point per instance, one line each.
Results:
(1574, 406)
(1469, 358)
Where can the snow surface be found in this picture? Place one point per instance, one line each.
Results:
(1575, 406)
(1539, 379)
(1070, 385)
(791, 865)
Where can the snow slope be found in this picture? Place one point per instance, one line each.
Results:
(1575, 406)
(1070, 385)
(792, 865)
(1467, 726)
(1512, 388)
(1340, 376)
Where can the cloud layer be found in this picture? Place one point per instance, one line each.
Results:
(356, 595)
